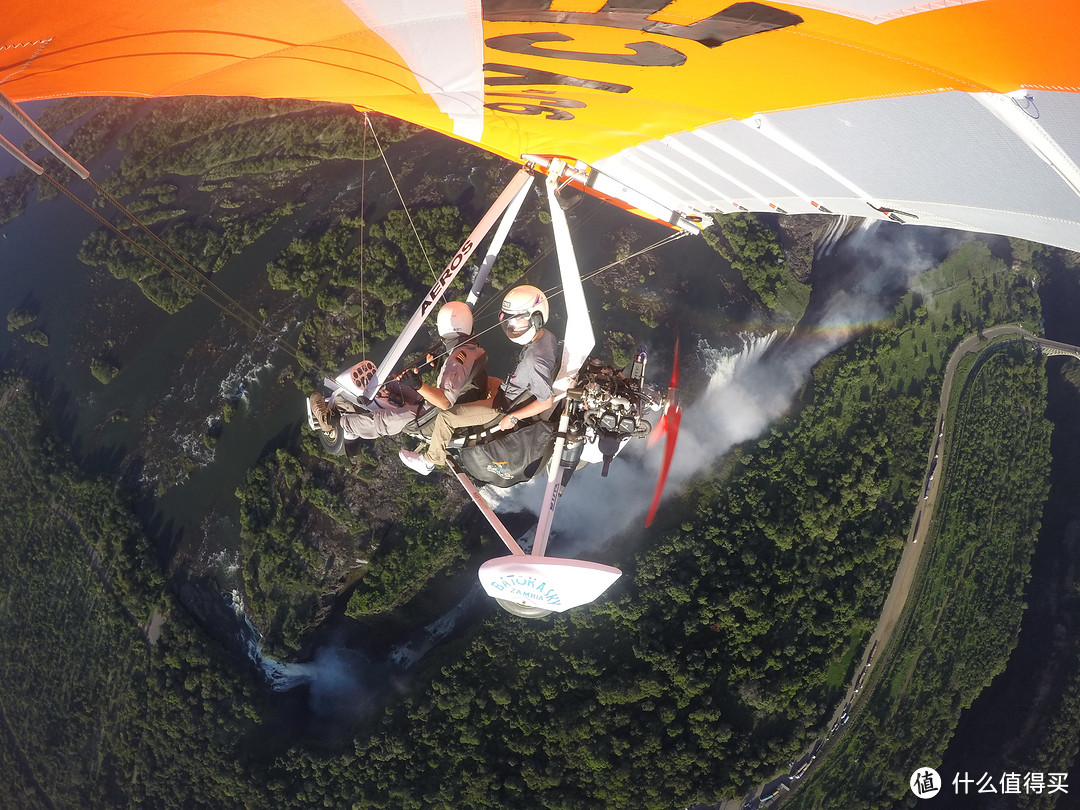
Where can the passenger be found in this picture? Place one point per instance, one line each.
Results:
(524, 313)
(463, 373)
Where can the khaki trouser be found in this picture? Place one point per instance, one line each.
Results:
(471, 413)
(384, 422)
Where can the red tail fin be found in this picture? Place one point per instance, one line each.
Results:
(667, 426)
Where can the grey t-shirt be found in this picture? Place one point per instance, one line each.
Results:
(535, 369)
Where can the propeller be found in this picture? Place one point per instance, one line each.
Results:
(667, 426)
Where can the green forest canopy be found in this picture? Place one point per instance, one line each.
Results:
(709, 662)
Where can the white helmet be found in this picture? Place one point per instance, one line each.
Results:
(524, 312)
(455, 318)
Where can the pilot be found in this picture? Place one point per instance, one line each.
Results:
(524, 312)
(463, 373)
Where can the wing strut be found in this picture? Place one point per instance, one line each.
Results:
(577, 343)
(443, 282)
(485, 510)
(533, 585)
(579, 339)
(497, 242)
(13, 109)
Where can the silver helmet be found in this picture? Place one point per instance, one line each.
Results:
(524, 311)
(454, 318)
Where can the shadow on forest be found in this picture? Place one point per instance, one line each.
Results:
(286, 437)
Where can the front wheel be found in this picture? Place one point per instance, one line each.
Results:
(336, 445)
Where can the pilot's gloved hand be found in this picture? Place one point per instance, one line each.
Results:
(411, 378)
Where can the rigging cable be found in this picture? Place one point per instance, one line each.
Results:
(234, 309)
(404, 207)
(555, 292)
(363, 227)
(244, 317)
(532, 265)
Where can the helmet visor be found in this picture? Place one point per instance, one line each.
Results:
(515, 325)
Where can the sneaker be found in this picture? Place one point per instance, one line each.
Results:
(416, 461)
(321, 411)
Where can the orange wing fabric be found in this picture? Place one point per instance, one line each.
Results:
(580, 78)
(634, 86)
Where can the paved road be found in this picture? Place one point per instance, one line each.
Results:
(920, 524)
(909, 561)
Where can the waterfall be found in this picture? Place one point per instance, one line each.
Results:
(250, 640)
(422, 641)
(281, 677)
(335, 675)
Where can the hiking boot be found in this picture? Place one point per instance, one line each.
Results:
(416, 461)
(322, 413)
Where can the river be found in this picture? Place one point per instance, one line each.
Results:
(178, 371)
(1003, 727)
(87, 313)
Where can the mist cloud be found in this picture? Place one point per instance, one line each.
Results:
(748, 389)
